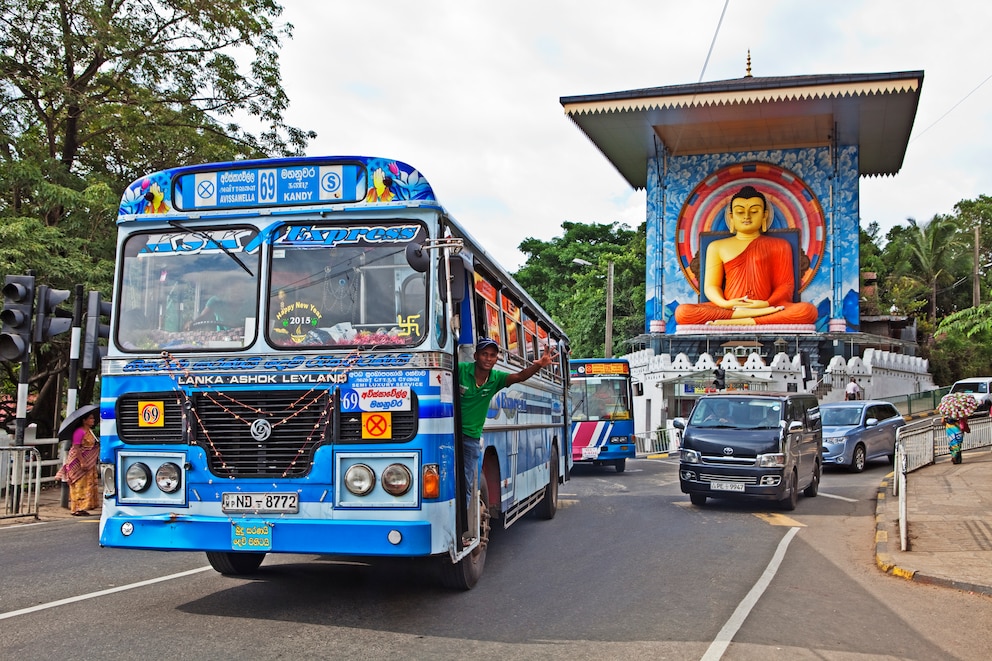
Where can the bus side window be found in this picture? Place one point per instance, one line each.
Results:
(511, 326)
(487, 310)
(530, 337)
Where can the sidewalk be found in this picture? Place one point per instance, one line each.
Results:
(949, 510)
(49, 509)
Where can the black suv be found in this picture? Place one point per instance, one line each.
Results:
(752, 445)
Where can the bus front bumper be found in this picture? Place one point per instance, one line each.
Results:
(272, 534)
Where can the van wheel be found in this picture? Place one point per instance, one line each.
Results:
(792, 499)
(234, 564)
(621, 465)
(858, 459)
(814, 486)
(464, 574)
(698, 499)
(548, 506)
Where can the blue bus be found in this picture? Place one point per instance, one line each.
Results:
(601, 413)
(281, 375)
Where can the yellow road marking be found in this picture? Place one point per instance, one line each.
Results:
(778, 520)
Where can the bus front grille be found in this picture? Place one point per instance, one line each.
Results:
(260, 433)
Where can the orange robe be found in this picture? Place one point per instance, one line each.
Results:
(763, 272)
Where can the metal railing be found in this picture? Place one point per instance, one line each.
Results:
(919, 444)
(21, 486)
(658, 441)
(918, 402)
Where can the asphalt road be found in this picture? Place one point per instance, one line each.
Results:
(628, 569)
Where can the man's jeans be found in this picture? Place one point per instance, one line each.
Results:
(470, 452)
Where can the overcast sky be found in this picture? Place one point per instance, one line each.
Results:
(468, 93)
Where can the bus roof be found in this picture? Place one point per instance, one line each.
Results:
(250, 188)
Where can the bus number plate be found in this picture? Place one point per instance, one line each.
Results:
(280, 503)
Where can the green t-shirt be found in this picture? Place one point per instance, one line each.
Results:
(475, 399)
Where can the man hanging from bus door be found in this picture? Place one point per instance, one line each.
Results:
(478, 383)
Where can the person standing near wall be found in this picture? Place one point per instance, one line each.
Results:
(853, 390)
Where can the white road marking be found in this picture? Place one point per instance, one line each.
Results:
(100, 593)
(726, 634)
(830, 495)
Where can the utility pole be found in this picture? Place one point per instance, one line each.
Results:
(609, 311)
(975, 290)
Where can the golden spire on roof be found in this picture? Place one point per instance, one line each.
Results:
(748, 74)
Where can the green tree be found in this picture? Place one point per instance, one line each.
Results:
(575, 295)
(932, 255)
(93, 94)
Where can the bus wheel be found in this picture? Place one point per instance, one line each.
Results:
(464, 574)
(548, 506)
(621, 465)
(234, 563)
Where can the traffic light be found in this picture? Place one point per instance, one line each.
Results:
(18, 299)
(720, 382)
(49, 321)
(95, 329)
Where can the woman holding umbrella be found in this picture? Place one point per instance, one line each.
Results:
(80, 469)
(956, 407)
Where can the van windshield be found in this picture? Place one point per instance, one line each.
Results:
(971, 386)
(737, 413)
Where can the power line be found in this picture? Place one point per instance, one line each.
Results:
(951, 109)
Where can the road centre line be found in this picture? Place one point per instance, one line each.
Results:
(830, 495)
(726, 634)
(100, 593)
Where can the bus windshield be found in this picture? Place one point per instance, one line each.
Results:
(600, 398)
(357, 292)
(191, 290)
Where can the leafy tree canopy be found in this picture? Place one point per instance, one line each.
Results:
(94, 94)
(575, 294)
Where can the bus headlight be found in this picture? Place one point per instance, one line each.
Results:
(690, 456)
(359, 479)
(396, 479)
(138, 477)
(168, 477)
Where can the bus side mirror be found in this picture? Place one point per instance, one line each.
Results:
(417, 258)
(458, 277)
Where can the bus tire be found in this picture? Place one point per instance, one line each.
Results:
(621, 465)
(464, 574)
(548, 506)
(234, 564)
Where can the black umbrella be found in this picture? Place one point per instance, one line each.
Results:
(74, 419)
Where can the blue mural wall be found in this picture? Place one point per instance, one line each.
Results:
(831, 176)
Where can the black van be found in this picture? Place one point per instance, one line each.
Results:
(761, 445)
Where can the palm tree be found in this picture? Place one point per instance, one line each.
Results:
(933, 250)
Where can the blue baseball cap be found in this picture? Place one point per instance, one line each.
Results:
(485, 343)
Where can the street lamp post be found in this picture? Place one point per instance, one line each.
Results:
(608, 347)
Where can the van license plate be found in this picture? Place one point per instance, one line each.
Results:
(727, 486)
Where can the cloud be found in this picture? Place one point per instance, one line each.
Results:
(468, 93)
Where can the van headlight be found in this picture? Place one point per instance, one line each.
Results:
(690, 456)
(771, 460)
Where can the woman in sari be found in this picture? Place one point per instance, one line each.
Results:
(955, 428)
(80, 469)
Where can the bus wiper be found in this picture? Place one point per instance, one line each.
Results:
(207, 237)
